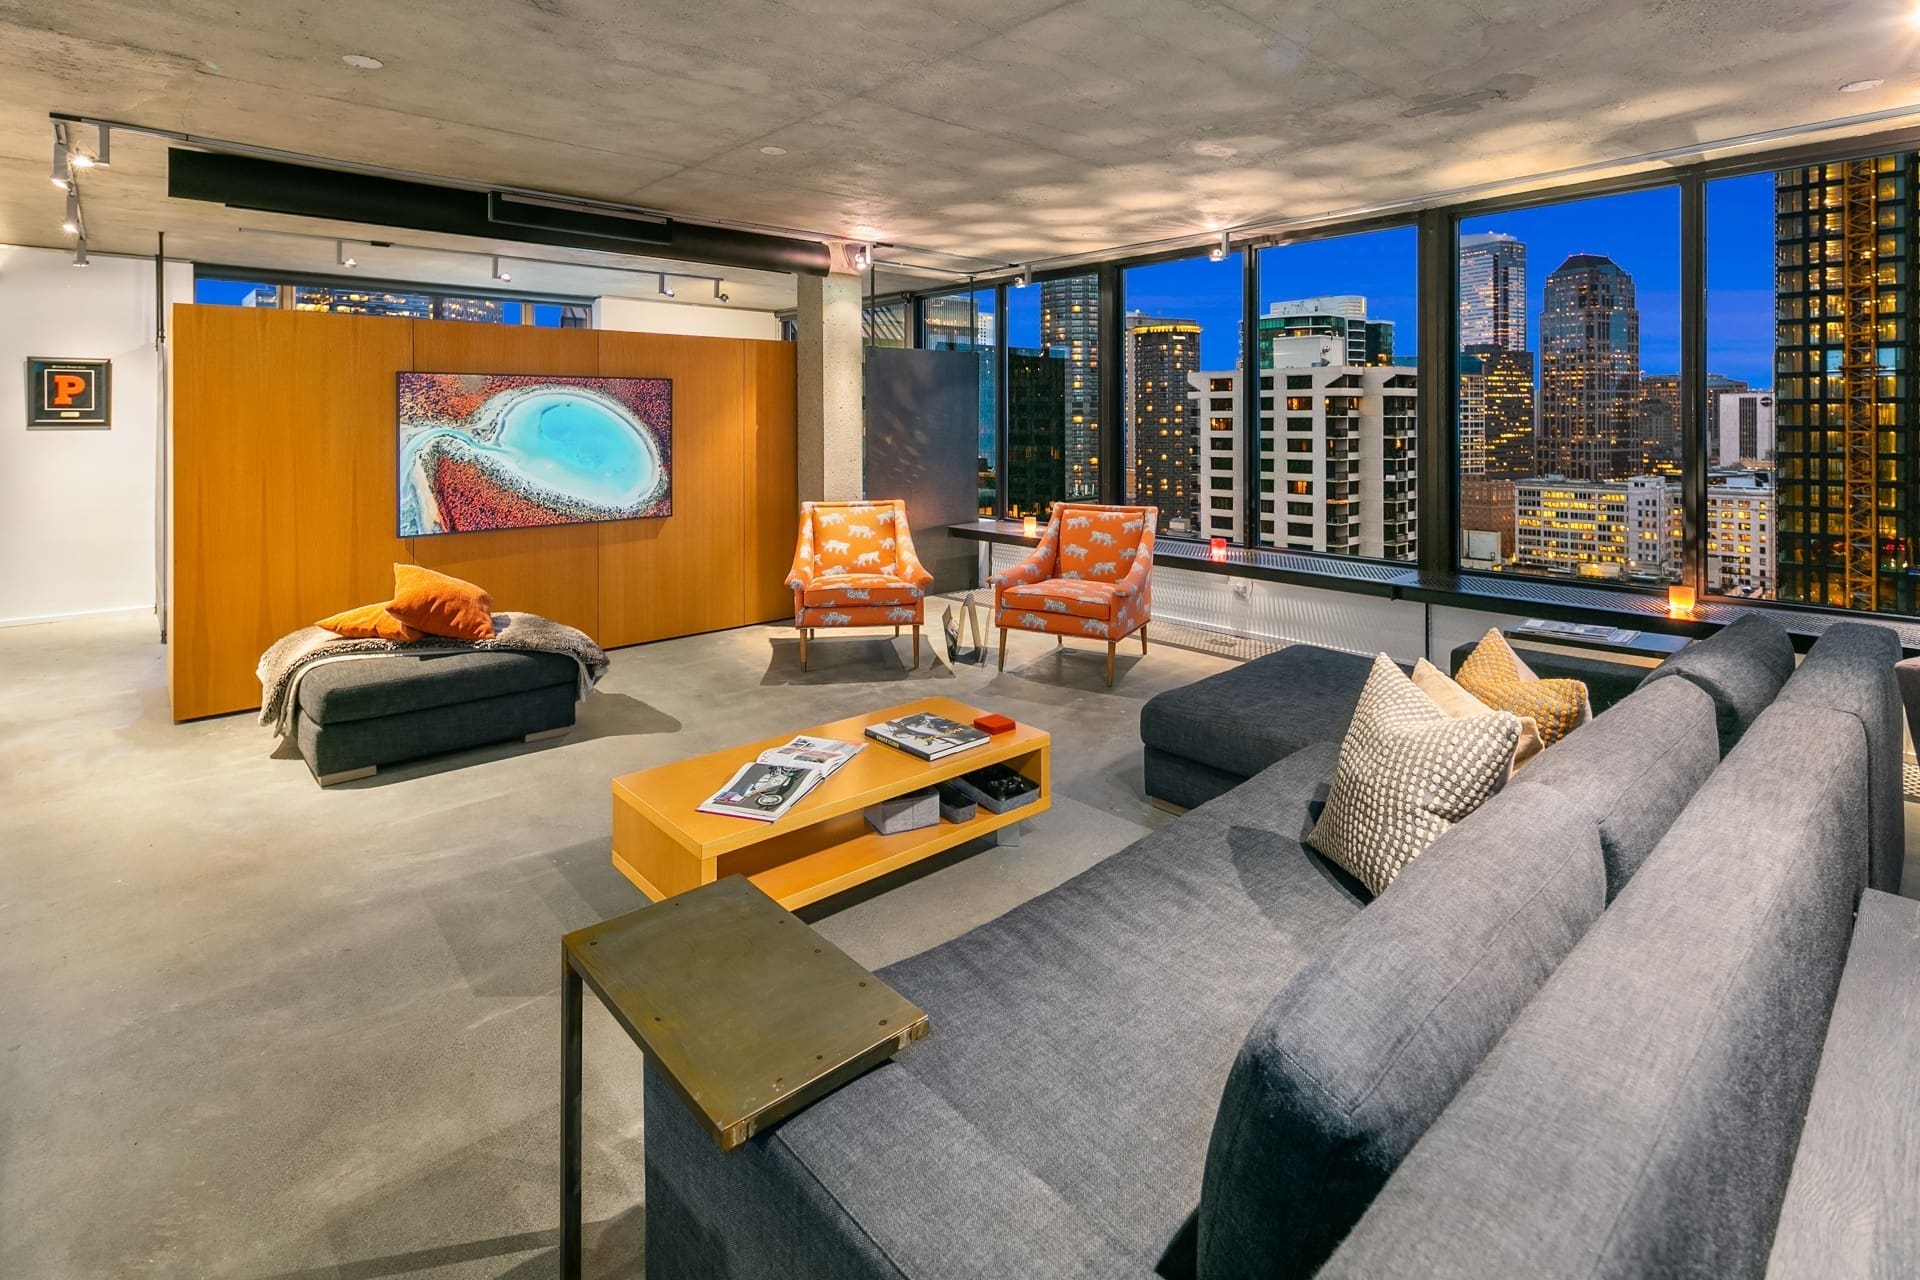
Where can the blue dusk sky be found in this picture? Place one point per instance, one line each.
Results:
(1639, 230)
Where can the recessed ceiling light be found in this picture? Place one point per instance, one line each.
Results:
(361, 62)
(1860, 86)
(773, 151)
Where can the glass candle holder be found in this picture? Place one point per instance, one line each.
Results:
(1030, 526)
(1217, 548)
(1680, 602)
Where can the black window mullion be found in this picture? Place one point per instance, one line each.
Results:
(1693, 380)
(1251, 426)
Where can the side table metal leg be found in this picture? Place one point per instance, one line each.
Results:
(570, 992)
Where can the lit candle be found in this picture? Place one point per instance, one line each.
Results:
(1680, 602)
(1031, 527)
(1218, 548)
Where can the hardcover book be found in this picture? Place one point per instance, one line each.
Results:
(926, 735)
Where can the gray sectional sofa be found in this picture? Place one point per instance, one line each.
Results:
(1576, 1036)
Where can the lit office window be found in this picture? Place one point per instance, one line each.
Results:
(1181, 332)
(1338, 395)
(1568, 340)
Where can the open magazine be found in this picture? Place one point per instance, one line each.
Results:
(765, 789)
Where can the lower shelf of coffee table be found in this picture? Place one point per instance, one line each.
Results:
(817, 861)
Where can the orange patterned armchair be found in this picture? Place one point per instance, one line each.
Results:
(855, 567)
(1091, 575)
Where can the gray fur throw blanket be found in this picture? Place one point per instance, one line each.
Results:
(292, 656)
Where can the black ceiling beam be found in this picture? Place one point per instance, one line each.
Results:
(272, 186)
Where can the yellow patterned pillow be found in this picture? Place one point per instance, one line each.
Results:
(1494, 673)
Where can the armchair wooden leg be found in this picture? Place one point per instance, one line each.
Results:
(1110, 647)
(896, 633)
(1058, 640)
(916, 645)
(1143, 639)
(1003, 648)
(803, 648)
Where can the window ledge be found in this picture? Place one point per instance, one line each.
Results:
(1488, 592)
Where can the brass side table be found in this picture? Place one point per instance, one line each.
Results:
(746, 1011)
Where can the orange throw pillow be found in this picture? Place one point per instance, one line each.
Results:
(439, 605)
(368, 622)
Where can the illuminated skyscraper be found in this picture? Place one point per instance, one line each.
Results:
(1589, 372)
(1341, 316)
(1037, 385)
(1472, 415)
(1493, 291)
(1165, 423)
(1508, 394)
(1846, 398)
(1070, 323)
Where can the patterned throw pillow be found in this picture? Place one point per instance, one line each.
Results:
(1457, 702)
(1494, 673)
(1407, 772)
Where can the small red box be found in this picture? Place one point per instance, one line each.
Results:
(993, 724)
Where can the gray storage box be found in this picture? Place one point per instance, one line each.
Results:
(910, 812)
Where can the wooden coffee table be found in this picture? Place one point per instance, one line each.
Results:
(823, 846)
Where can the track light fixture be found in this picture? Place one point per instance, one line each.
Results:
(80, 252)
(862, 257)
(719, 294)
(1024, 279)
(80, 160)
(72, 224)
(103, 149)
(504, 277)
(340, 254)
(1220, 251)
(62, 174)
(666, 290)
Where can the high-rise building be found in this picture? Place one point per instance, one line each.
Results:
(1741, 534)
(1746, 436)
(1037, 429)
(1471, 414)
(1337, 456)
(1341, 316)
(1508, 395)
(1162, 354)
(1657, 429)
(1599, 529)
(1070, 323)
(1846, 399)
(1718, 385)
(1589, 371)
(1493, 291)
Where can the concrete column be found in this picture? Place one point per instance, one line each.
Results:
(831, 421)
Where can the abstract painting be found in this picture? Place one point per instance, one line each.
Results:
(510, 451)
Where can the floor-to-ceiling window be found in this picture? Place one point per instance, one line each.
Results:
(352, 297)
(1334, 350)
(1182, 349)
(1053, 394)
(1568, 419)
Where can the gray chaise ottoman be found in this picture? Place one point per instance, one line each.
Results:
(354, 716)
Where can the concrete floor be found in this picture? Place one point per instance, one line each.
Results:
(256, 1029)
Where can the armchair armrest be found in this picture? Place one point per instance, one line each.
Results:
(1140, 575)
(800, 576)
(1037, 567)
(906, 559)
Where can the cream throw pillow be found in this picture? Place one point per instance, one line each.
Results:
(1457, 702)
(1407, 772)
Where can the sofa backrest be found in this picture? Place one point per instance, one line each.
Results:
(1640, 1116)
(1360, 1052)
(1101, 543)
(1851, 669)
(1634, 768)
(1741, 667)
(855, 537)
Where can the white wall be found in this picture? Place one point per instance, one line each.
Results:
(644, 315)
(77, 508)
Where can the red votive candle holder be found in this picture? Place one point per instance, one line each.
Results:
(1217, 548)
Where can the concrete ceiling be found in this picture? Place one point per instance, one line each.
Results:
(1007, 129)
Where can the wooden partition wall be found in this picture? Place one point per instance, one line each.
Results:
(285, 501)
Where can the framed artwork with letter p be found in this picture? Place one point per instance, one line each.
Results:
(69, 394)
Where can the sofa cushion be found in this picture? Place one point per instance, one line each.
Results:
(1363, 1049)
(858, 589)
(369, 622)
(1245, 719)
(1086, 1034)
(388, 685)
(1851, 669)
(1608, 680)
(1634, 768)
(1457, 702)
(1640, 1116)
(1741, 667)
(1056, 595)
(439, 604)
(1407, 772)
(1499, 677)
